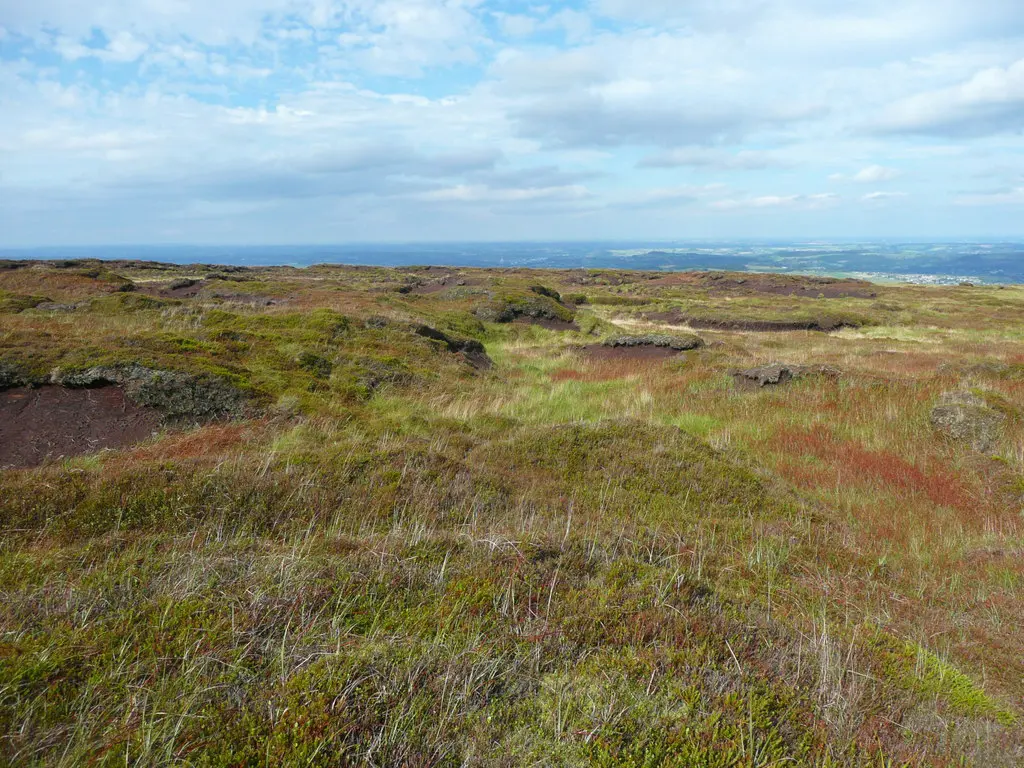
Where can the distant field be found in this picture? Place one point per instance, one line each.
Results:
(429, 516)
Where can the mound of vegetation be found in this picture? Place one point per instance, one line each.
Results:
(537, 305)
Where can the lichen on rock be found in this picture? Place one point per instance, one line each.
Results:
(965, 417)
(774, 374)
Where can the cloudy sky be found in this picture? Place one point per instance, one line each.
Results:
(306, 121)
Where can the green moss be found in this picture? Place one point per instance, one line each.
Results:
(12, 303)
(506, 307)
(120, 303)
(461, 323)
(918, 669)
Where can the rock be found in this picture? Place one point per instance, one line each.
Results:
(964, 417)
(376, 373)
(180, 397)
(779, 373)
(510, 308)
(53, 306)
(11, 376)
(472, 349)
(542, 290)
(679, 343)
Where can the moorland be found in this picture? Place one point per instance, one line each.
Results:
(430, 516)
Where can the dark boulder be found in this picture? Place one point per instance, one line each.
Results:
(679, 343)
(471, 349)
(965, 417)
(181, 398)
(779, 373)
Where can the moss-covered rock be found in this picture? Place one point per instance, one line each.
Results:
(965, 417)
(12, 303)
(779, 373)
(680, 342)
(11, 376)
(542, 290)
(471, 349)
(182, 398)
(122, 302)
(506, 308)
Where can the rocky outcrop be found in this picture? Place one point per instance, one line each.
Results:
(965, 417)
(779, 373)
(534, 306)
(11, 376)
(471, 349)
(179, 397)
(679, 343)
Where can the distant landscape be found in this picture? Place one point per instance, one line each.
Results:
(939, 263)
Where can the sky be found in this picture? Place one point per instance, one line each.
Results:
(334, 121)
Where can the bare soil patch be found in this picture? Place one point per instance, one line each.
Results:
(53, 422)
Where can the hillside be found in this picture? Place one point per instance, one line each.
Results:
(430, 516)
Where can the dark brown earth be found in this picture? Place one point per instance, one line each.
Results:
(552, 324)
(638, 353)
(674, 317)
(53, 422)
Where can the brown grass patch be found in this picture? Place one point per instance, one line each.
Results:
(213, 441)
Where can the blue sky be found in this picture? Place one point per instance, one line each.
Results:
(319, 121)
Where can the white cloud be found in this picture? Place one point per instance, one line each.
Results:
(463, 193)
(805, 202)
(576, 25)
(667, 196)
(408, 113)
(516, 24)
(123, 47)
(1004, 197)
(713, 159)
(881, 197)
(874, 174)
(991, 101)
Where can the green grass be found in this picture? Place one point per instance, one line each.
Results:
(399, 559)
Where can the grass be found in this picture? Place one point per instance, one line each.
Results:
(405, 560)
